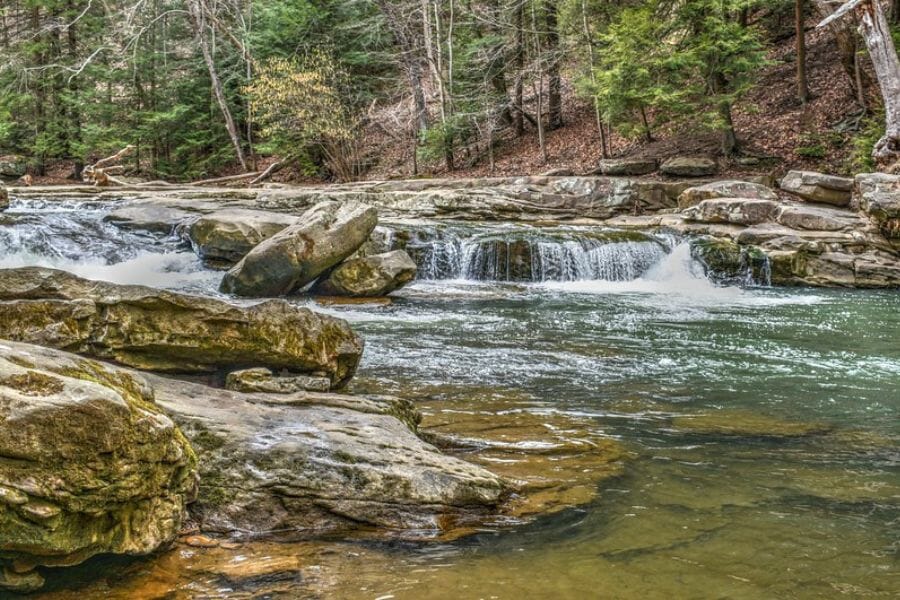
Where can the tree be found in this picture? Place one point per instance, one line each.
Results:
(873, 26)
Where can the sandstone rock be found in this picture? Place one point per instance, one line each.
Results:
(90, 464)
(816, 187)
(727, 261)
(738, 211)
(298, 465)
(559, 172)
(226, 236)
(376, 275)
(879, 197)
(817, 218)
(261, 379)
(4, 199)
(148, 217)
(687, 166)
(165, 331)
(626, 166)
(323, 237)
(724, 189)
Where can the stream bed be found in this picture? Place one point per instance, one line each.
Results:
(761, 426)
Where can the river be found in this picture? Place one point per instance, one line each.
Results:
(761, 423)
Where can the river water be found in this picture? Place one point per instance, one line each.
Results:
(761, 424)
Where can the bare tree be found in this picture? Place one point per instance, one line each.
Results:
(873, 26)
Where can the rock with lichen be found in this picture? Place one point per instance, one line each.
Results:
(164, 331)
(88, 464)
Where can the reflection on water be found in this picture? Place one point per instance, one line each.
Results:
(761, 425)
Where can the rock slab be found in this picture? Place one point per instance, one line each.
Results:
(817, 187)
(689, 166)
(224, 237)
(157, 330)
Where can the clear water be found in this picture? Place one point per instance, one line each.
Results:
(696, 515)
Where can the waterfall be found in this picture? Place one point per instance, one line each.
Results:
(534, 254)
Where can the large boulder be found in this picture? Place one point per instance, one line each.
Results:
(90, 465)
(736, 211)
(224, 237)
(300, 465)
(879, 197)
(689, 166)
(375, 275)
(158, 330)
(323, 236)
(618, 167)
(817, 187)
(724, 189)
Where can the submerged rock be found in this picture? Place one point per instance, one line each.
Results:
(263, 380)
(817, 187)
(687, 166)
(742, 423)
(226, 236)
(322, 237)
(724, 189)
(375, 275)
(158, 330)
(90, 464)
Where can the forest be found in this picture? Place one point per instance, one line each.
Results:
(348, 89)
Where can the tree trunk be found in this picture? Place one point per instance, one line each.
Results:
(519, 116)
(800, 23)
(846, 40)
(873, 26)
(199, 23)
(554, 80)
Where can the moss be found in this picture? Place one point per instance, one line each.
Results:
(33, 383)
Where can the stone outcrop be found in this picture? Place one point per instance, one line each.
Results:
(725, 189)
(224, 237)
(374, 275)
(90, 465)
(261, 379)
(300, 465)
(618, 167)
(289, 260)
(148, 217)
(816, 187)
(689, 166)
(158, 330)
(879, 198)
(738, 211)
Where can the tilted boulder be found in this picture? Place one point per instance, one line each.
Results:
(90, 464)
(689, 166)
(375, 275)
(224, 237)
(817, 187)
(323, 236)
(165, 331)
(736, 211)
(155, 218)
(724, 189)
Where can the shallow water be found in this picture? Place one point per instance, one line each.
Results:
(741, 502)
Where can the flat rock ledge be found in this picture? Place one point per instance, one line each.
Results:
(116, 466)
(156, 330)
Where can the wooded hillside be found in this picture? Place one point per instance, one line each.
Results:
(346, 89)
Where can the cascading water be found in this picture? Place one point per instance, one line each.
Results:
(535, 255)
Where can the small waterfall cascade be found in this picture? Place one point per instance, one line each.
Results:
(534, 255)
